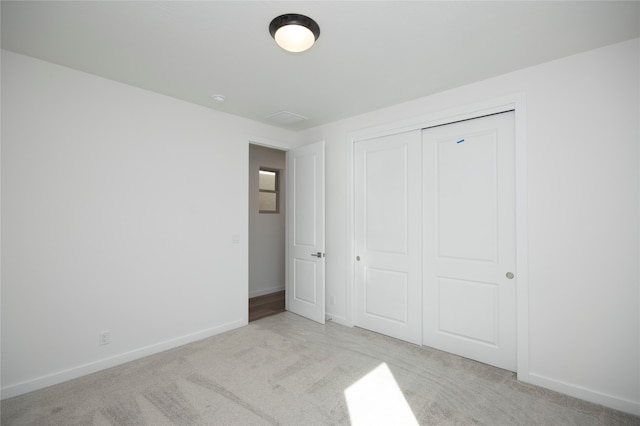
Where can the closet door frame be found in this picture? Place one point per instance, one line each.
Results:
(515, 102)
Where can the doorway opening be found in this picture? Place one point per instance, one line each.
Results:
(267, 305)
(267, 231)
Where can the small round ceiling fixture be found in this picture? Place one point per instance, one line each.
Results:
(218, 98)
(294, 32)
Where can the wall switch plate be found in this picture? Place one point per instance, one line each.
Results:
(332, 300)
(104, 338)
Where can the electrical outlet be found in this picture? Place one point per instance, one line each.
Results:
(104, 338)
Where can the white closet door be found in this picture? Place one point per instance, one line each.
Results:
(469, 239)
(388, 283)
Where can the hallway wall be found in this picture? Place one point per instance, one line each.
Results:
(266, 230)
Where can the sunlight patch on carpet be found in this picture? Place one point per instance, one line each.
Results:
(376, 399)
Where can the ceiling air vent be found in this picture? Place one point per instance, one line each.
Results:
(285, 117)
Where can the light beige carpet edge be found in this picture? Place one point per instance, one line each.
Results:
(291, 371)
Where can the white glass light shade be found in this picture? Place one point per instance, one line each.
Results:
(294, 38)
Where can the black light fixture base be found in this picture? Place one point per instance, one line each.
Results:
(294, 19)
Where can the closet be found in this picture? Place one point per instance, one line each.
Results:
(435, 237)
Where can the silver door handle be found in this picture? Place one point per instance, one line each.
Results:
(318, 254)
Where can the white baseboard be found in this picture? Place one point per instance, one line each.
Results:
(93, 367)
(338, 319)
(256, 293)
(628, 406)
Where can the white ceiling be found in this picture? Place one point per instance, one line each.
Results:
(369, 55)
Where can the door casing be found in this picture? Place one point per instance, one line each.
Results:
(243, 240)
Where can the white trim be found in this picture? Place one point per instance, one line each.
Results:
(257, 293)
(522, 237)
(638, 319)
(350, 231)
(244, 234)
(93, 367)
(338, 319)
(590, 395)
(512, 102)
(452, 115)
(268, 143)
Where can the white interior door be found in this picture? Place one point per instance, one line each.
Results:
(469, 239)
(305, 232)
(388, 284)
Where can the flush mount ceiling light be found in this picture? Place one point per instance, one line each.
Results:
(218, 98)
(293, 32)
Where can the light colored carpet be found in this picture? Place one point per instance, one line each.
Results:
(287, 370)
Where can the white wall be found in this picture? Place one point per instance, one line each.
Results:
(266, 231)
(111, 219)
(119, 212)
(582, 136)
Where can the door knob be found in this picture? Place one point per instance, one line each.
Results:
(358, 258)
(510, 275)
(318, 254)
